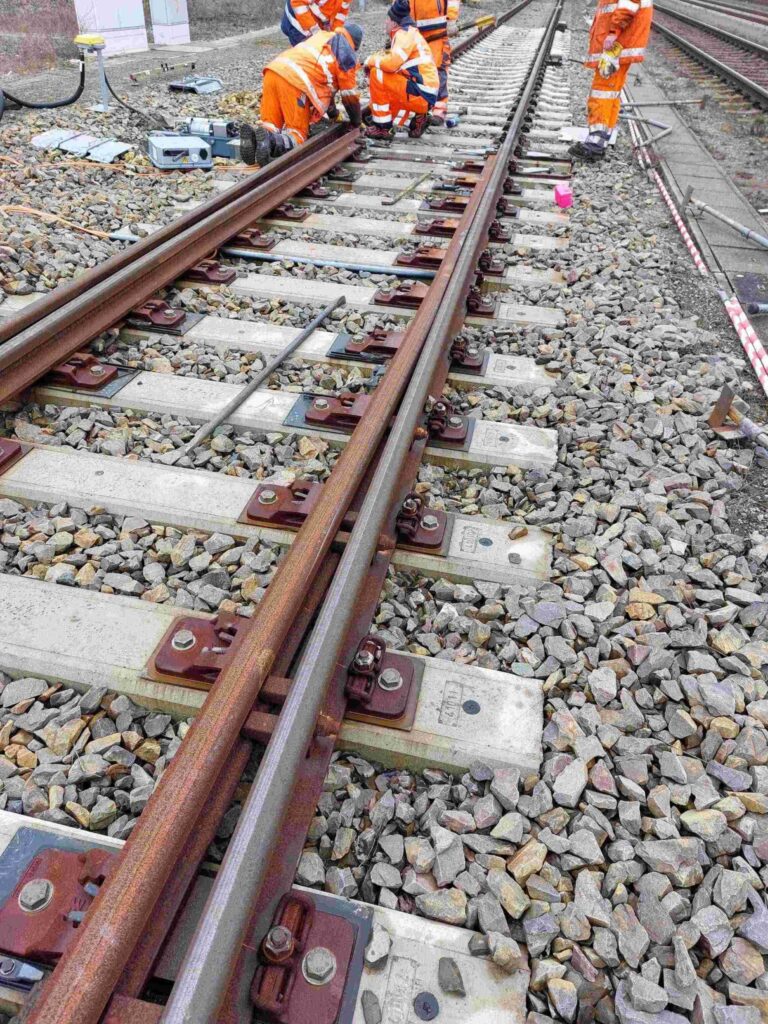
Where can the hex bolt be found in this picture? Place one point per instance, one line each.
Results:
(6, 966)
(364, 659)
(390, 680)
(278, 943)
(97, 370)
(321, 403)
(319, 966)
(455, 421)
(430, 522)
(36, 895)
(267, 496)
(184, 640)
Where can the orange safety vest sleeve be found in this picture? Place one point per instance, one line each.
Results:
(431, 18)
(320, 66)
(630, 21)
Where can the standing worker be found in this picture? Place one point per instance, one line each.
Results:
(403, 78)
(299, 87)
(618, 38)
(439, 114)
(302, 18)
(431, 19)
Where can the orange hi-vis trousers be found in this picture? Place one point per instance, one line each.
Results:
(604, 101)
(284, 108)
(390, 98)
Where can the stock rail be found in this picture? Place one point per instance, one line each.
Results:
(754, 13)
(285, 678)
(738, 61)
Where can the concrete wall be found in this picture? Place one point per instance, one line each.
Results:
(34, 33)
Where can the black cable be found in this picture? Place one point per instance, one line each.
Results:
(155, 121)
(5, 96)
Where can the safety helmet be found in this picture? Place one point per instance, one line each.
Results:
(355, 33)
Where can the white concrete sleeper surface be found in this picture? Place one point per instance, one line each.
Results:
(477, 548)
(85, 638)
(490, 443)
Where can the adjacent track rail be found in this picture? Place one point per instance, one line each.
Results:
(747, 12)
(738, 61)
(330, 577)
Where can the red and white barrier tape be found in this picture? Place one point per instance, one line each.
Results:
(750, 342)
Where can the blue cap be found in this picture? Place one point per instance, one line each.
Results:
(355, 34)
(400, 12)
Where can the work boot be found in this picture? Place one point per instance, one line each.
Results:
(419, 124)
(592, 148)
(255, 144)
(378, 133)
(279, 143)
(435, 121)
(367, 115)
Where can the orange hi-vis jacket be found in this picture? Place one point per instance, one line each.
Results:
(431, 19)
(629, 20)
(454, 9)
(322, 65)
(307, 16)
(411, 56)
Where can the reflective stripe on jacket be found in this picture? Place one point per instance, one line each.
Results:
(430, 18)
(307, 16)
(454, 8)
(322, 65)
(629, 20)
(411, 56)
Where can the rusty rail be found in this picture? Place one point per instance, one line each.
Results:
(49, 341)
(91, 971)
(73, 289)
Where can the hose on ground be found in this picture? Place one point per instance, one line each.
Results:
(7, 98)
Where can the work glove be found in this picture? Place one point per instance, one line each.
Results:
(608, 64)
(332, 113)
(453, 28)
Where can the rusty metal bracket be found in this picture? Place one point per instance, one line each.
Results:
(157, 315)
(342, 173)
(341, 413)
(444, 424)
(440, 227)
(317, 190)
(282, 505)
(461, 181)
(490, 265)
(82, 370)
(211, 272)
(479, 304)
(378, 684)
(10, 452)
(418, 526)
(729, 407)
(498, 233)
(287, 211)
(425, 257)
(360, 156)
(194, 651)
(469, 167)
(312, 960)
(41, 916)
(511, 188)
(252, 238)
(377, 346)
(404, 295)
(467, 356)
(451, 204)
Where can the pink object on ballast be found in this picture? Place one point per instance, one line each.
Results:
(563, 196)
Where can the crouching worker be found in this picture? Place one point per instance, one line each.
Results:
(403, 80)
(299, 88)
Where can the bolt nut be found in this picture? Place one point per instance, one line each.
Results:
(319, 966)
(390, 680)
(279, 942)
(321, 403)
(267, 496)
(184, 640)
(430, 522)
(455, 421)
(97, 370)
(36, 895)
(364, 659)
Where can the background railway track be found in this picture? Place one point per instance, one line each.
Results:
(738, 61)
(751, 12)
(486, 181)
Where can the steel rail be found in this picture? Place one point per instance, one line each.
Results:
(221, 930)
(33, 352)
(746, 85)
(77, 287)
(744, 13)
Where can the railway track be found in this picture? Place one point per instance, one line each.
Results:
(740, 62)
(287, 663)
(753, 13)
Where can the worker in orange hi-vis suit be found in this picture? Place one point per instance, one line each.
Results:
(618, 38)
(431, 19)
(439, 114)
(403, 79)
(302, 18)
(299, 88)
